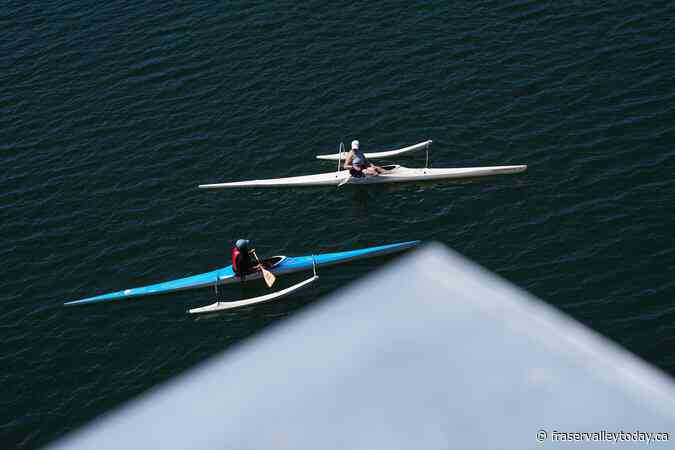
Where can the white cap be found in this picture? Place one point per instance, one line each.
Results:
(355, 145)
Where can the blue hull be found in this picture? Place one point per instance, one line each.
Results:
(226, 275)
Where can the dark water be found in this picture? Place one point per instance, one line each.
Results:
(112, 112)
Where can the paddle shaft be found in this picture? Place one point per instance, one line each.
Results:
(345, 181)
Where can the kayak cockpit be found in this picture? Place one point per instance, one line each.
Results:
(390, 167)
(273, 261)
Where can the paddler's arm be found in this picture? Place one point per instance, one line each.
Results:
(348, 160)
(252, 260)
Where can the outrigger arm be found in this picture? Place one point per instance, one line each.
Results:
(222, 306)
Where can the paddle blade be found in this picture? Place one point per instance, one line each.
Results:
(345, 181)
(269, 277)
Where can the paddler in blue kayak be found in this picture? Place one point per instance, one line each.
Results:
(243, 265)
(359, 165)
(242, 252)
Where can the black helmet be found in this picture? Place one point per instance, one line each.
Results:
(242, 244)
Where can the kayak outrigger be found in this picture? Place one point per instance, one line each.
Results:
(392, 173)
(378, 155)
(278, 265)
(222, 306)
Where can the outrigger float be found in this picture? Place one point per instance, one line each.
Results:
(277, 265)
(394, 173)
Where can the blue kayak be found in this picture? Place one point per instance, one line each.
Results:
(278, 265)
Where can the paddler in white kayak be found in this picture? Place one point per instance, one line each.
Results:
(243, 265)
(358, 164)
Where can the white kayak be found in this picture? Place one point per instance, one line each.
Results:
(378, 155)
(393, 174)
(222, 306)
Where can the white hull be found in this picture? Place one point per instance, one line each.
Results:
(379, 155)
(395, 174)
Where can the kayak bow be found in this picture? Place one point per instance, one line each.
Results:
(225, 275)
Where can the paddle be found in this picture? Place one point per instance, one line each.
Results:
(267, 275)
(345, 181)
